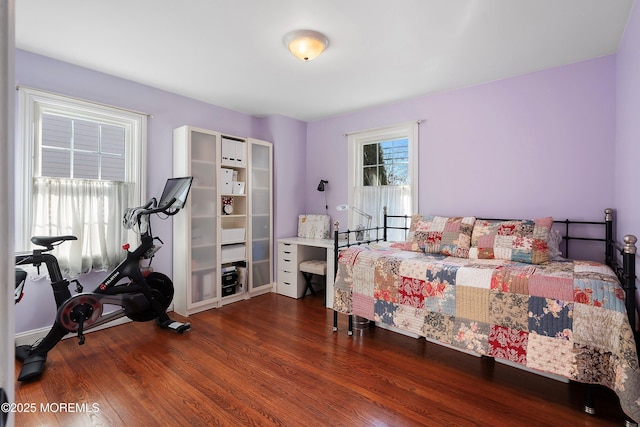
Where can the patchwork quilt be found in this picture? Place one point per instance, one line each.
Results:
(563, 317)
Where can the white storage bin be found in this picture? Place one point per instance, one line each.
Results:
(233, 252)
(238, 187)
(226, 181)
(232, 235)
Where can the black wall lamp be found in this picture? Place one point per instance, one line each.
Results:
(321, 184)
(321, 188)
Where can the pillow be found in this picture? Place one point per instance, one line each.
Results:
(555, 239)
(522, 241)
(414, 222)
(442, 235)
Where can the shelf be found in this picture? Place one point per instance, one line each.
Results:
(232, 260)
(234, 242)
(226, 165)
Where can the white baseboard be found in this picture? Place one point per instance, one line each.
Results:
(460, 349)
(533, 371)
(30, 337)
(396, 330)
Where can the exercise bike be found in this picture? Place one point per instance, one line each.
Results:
(140, 295)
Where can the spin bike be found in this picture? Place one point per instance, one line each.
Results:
(143, 296)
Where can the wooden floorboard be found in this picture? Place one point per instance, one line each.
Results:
(273, 360)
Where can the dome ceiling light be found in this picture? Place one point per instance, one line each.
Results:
(306, 44)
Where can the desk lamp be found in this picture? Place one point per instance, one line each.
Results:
(362, 233)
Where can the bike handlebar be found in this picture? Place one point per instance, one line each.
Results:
(151, 208)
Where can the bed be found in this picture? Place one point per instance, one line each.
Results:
(501, 289)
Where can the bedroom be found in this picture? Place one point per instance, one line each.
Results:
(586, 109)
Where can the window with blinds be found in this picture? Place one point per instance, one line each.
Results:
(76, 148)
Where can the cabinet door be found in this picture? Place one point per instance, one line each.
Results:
(204, 213)
(195, 238)
(261, 214)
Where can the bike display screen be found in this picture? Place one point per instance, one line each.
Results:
(177, 188)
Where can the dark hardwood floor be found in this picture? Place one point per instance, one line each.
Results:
(273, 360)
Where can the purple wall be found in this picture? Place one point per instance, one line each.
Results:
(291, 135)
(534, 145)
(628, 129)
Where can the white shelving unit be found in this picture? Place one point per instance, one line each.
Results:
(222, 242)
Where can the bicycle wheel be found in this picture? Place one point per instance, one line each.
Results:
(161, 290)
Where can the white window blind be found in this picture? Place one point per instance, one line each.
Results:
(76, 148)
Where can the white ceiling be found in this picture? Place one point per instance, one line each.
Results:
(230, 52)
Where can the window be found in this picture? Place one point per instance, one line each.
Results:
(82, 164)
(383, 172)
(385, 163)
(83, 149)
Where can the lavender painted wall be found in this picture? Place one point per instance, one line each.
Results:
(291, 135)
(628, 129)
(533, 145)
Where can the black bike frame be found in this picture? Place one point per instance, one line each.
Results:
(128, 268)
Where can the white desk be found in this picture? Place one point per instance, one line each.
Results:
(291, 252)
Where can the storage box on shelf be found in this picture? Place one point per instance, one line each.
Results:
(233, 235)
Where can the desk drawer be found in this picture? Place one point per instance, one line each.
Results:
(288, 289)
(288, 276)
(287, 252)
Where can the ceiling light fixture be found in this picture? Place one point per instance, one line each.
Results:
(306, 44)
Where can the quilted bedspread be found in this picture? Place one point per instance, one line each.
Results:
(565, 317)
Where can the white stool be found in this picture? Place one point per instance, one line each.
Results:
(308, 269)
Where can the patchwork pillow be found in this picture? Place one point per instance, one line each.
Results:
(555, 240)
(522, 241)
(442, 235)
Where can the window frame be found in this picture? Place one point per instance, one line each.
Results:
(356, 142)
(32, 103)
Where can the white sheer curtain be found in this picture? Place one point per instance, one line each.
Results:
(92, 211)
(372, 200)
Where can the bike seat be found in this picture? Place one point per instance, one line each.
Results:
(49, 241)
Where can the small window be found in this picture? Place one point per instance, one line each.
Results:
(383, 172)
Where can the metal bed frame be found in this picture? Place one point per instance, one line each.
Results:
(613, 253)
(626, 272)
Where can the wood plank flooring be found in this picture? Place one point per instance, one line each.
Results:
(273, 360)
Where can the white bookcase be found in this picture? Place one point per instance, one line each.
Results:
(222, 242)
